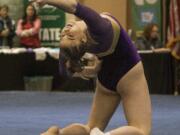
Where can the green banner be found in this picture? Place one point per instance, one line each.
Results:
(53, 20)
(143, 12)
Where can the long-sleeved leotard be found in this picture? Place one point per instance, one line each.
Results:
(114, 47)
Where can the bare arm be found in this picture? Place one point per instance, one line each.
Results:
(96, 24)
(37, 26)
(19, 28)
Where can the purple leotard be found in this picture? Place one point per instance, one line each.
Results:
(116, 63)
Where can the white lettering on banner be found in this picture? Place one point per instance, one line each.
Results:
(49, 34)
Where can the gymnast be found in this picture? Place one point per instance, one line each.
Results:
(119, 78)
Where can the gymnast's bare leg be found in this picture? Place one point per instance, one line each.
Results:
(133, 90)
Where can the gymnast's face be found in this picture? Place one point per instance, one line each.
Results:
(73, 34)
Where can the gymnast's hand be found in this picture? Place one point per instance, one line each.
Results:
(74, 66)
(92, 67)
(66, 5)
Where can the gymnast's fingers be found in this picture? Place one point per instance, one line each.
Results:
(39, 3)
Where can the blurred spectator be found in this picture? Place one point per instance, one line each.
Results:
(150, 39)
(7, 27)
(28, 28)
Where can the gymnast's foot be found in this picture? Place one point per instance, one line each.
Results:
(96, 131)
(54, 130)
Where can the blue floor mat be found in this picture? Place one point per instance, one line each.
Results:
(30, 113)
